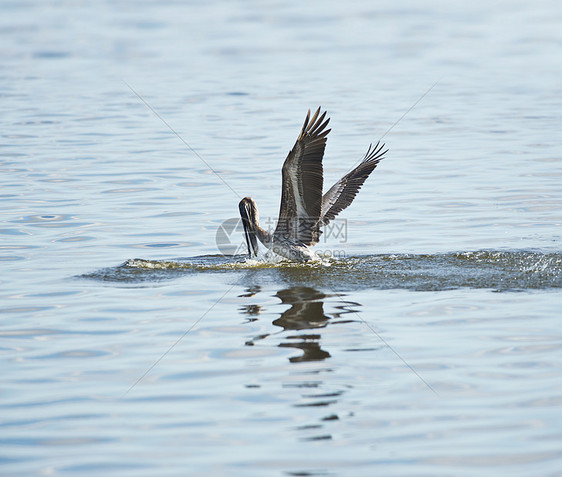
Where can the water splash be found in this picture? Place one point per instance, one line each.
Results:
(497, 270)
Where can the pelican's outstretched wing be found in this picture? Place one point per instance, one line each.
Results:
(301, 195)
(342, 193)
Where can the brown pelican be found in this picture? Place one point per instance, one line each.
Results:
(304, 210)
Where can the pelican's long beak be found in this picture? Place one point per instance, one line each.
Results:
(248, 221)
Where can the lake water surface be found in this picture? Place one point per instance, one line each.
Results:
(135, 337)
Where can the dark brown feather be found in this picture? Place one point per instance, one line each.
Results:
(301, 196)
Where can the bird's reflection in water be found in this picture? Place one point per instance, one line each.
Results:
(306, 312)
(251, 291)
(252, 311)
(301, 324)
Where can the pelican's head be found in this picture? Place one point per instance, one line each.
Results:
(249, 214)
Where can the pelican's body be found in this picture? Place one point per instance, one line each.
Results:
(304, 210)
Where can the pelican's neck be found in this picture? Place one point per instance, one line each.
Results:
(250, 214)
(263, 235)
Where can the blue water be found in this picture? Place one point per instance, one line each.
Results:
(429, 341)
